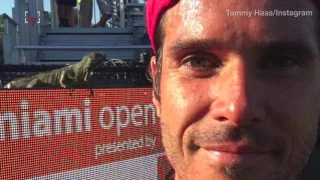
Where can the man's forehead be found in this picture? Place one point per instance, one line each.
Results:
(209, 19)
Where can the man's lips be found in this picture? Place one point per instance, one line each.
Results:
(229, 154)
(234, 148)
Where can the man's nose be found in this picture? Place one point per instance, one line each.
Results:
(238, 95)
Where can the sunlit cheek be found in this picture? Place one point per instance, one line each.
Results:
(183, 100)
(175, 99)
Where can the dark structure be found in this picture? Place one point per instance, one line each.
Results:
(113, 74)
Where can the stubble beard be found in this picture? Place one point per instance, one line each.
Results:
(289, 170)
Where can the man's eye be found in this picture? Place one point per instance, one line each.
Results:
(200, 62)
(279, 63)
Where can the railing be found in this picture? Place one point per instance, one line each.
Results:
(82, 47)
(22, 49)
(21, 40)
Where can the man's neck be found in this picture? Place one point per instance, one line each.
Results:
(311, 171)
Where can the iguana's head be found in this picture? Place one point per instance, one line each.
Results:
(89, 63)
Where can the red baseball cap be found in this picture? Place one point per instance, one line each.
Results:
(155, 9)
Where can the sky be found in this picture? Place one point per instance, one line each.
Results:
(7, 5)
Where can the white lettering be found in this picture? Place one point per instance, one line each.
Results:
(101, 118)
(25, 120)
(67, 114)
(122, 146)
(239, 13)
(119, 123)
(150, 142)
(41, 123)
(14, 128)
(87, 114)
(42, 127)
(123, 118)
(153, 113)
(135, 114)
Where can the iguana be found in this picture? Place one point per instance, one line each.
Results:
(18, 83)
(76, 75)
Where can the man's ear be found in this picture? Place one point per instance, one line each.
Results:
(156, 103)
(153, 69)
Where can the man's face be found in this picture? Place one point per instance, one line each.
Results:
(239, 95)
